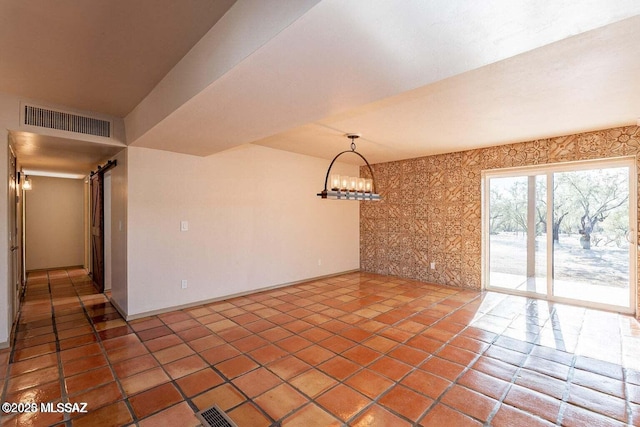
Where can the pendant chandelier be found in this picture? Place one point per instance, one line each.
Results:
(342, 187)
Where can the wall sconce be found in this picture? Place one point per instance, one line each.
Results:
(26, 184)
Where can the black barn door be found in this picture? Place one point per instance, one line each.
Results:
(97, 231)
(97, 224)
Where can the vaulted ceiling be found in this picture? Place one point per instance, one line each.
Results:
(413, 77)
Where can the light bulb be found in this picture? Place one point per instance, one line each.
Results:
(335, 182)
(353, 183)
(344, 182)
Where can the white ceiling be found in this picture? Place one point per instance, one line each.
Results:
(94, 55)
(55, 155)
(413, 77)
(586, 82)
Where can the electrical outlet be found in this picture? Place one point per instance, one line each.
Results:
(433, 265)
(319, 261)
(183, 283)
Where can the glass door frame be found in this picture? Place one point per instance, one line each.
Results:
(549, 170)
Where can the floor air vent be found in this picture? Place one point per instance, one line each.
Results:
(43, 117)
(214, 417)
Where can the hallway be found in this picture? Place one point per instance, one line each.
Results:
(356, 349)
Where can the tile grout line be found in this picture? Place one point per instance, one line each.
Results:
(467, 368)
(514, 378)
(62, 384)
(216, 370)
(416, 367)
(377, 333)
(627, 398)
(283, 381)
(340, 354)
(626, 388)
(343, 381)
(430, 356)
(12, 350)
(99, 340)
(226, 379)
(567, 391)
(373, 333)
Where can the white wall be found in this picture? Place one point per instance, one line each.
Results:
(54, 223)
(254, 221)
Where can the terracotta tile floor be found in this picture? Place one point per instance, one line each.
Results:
(357, 349)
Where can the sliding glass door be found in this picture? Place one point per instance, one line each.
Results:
(563, 232)
(516, 233)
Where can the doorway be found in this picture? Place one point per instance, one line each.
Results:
(97, 231)
(100, 190)
(565, 232)
(106, 206)
(15, 269)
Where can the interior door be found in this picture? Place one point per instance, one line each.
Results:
(14, 273)
(97, 229)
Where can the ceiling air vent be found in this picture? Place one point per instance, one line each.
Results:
(43, 117)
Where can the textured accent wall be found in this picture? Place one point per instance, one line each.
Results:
(431, 207)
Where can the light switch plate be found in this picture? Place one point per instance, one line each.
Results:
(184, 225)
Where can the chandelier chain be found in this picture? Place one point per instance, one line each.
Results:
(353, 137)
